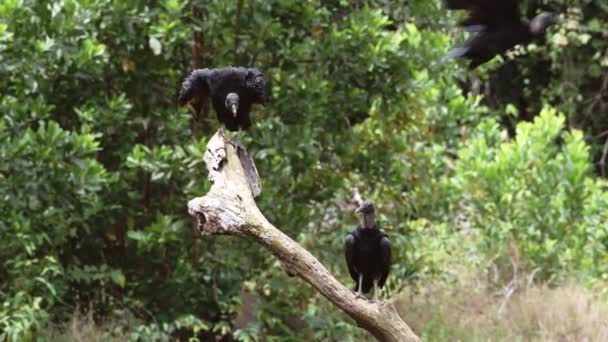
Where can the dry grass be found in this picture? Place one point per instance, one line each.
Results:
(82, 328)
(569, 313)
(471, 311)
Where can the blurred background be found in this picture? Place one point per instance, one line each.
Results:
(490, 184)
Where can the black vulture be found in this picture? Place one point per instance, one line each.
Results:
(232, 91)
(368, 252)
(499, 27)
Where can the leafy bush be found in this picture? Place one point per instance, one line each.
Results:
(538, 192)
(51, 187)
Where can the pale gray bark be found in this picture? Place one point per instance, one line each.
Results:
(229, 208)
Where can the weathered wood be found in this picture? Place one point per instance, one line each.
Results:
(230, 209)
(251, 172)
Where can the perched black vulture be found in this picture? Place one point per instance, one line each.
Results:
(499, 27)
(368, 252)
(232, 91)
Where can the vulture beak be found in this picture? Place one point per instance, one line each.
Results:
(366, 208)
(234, 109)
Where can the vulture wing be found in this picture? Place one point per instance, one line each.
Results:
(350, 245)
(385, 252)
(498, 26)
(487, 14)
(195, 90)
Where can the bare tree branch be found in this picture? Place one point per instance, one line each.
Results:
(603, 159)
(229, 208)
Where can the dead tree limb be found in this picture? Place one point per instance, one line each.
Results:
(229, 208)
(603, 159)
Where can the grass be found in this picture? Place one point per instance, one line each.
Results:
(470, 310)
(473, 311)
(82, 328)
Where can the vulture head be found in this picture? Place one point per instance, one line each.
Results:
(368, 214)
(232, 103)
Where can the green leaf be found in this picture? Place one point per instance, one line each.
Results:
(118, 278)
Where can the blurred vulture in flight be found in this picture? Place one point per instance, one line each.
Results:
(498, 27)
(232, 92)
(368, 252)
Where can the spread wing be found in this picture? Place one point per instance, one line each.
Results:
(385, 252)
(195, 90)
(350, 245)
(487, 14)
(498, 27)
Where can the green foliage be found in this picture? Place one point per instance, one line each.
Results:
(536, 191)
(21, 316)
(51, 195)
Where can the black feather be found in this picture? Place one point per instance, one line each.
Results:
(368, 253)
(215, 84)
(498, 25)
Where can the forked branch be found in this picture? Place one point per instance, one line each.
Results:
(230, 209)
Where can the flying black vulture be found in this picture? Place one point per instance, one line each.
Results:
(232, 92)
(499, 27)
(368, 252)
